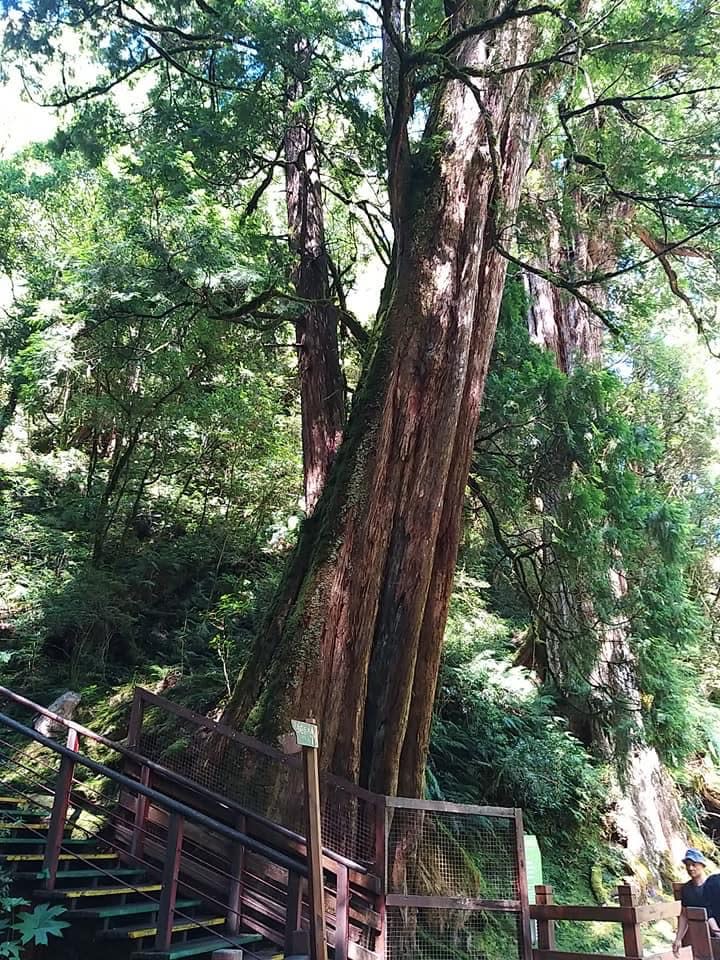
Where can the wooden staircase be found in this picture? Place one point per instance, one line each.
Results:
(121, 902)
(189, 838)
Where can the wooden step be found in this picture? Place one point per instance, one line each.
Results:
(82, 874)
(140, 933)
(197, 948)
(38, 857)
(127, 909)
(76, 894)
(11, 801)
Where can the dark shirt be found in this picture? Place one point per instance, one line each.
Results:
(711, 896)
(692, 894)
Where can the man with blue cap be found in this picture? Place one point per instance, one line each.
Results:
(693, 893)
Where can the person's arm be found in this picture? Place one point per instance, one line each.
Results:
(681, 931)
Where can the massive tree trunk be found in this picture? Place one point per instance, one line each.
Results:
(355, 634)
(322, 390)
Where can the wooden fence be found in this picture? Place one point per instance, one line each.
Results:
(630, 914)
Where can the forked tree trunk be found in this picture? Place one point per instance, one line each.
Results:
(322, 391)
(355, 634)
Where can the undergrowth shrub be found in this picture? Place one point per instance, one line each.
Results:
(491, 746)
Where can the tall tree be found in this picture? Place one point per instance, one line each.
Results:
(322, 387)
(355, 633)
(357, 626)
(220, 73)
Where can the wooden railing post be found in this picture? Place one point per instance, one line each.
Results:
(381, 869)
(698, 935)
(316, 880)
(632, 935)
(58, 817)
(168, 894)
(342, 913)
(136, 719)
(237, 867)
(545, 928)
(141, 808)
(293, 914)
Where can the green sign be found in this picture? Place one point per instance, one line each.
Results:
(533, 861)
(306, 734)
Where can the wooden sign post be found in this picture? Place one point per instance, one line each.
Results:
(308, 738)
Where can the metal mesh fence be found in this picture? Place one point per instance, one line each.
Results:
(453, 873)
(448, 854)
(442, 934)
(263, 780)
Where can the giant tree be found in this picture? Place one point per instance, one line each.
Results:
(355, 632)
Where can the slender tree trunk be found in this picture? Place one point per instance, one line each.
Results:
(568, 328)
(557, 321)
(322, 389)
(8, 412)
(361, 612)
(646, 810)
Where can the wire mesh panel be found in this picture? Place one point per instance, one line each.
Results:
(434, 852)
(259, 778)
(452, 934)
(455, 881)
(227, 767)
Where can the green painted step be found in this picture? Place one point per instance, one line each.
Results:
(26, 814)
(197, 948)
(128, 909)
(39, 857)
(83, 874)
(142, 933)
(24, 825)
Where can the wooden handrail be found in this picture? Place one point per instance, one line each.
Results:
(163, 771)
(628, 913)
(172, 806)
(642, 913)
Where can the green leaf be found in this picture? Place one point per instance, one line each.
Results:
(36, 925)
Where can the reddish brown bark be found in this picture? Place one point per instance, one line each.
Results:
(518, 140)
(356, 631)
(322, 394)
(557, 320)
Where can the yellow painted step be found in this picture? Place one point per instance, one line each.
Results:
(15, 800)
(37, 857)
(23, 825)
(177, 928)
(107, 891)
